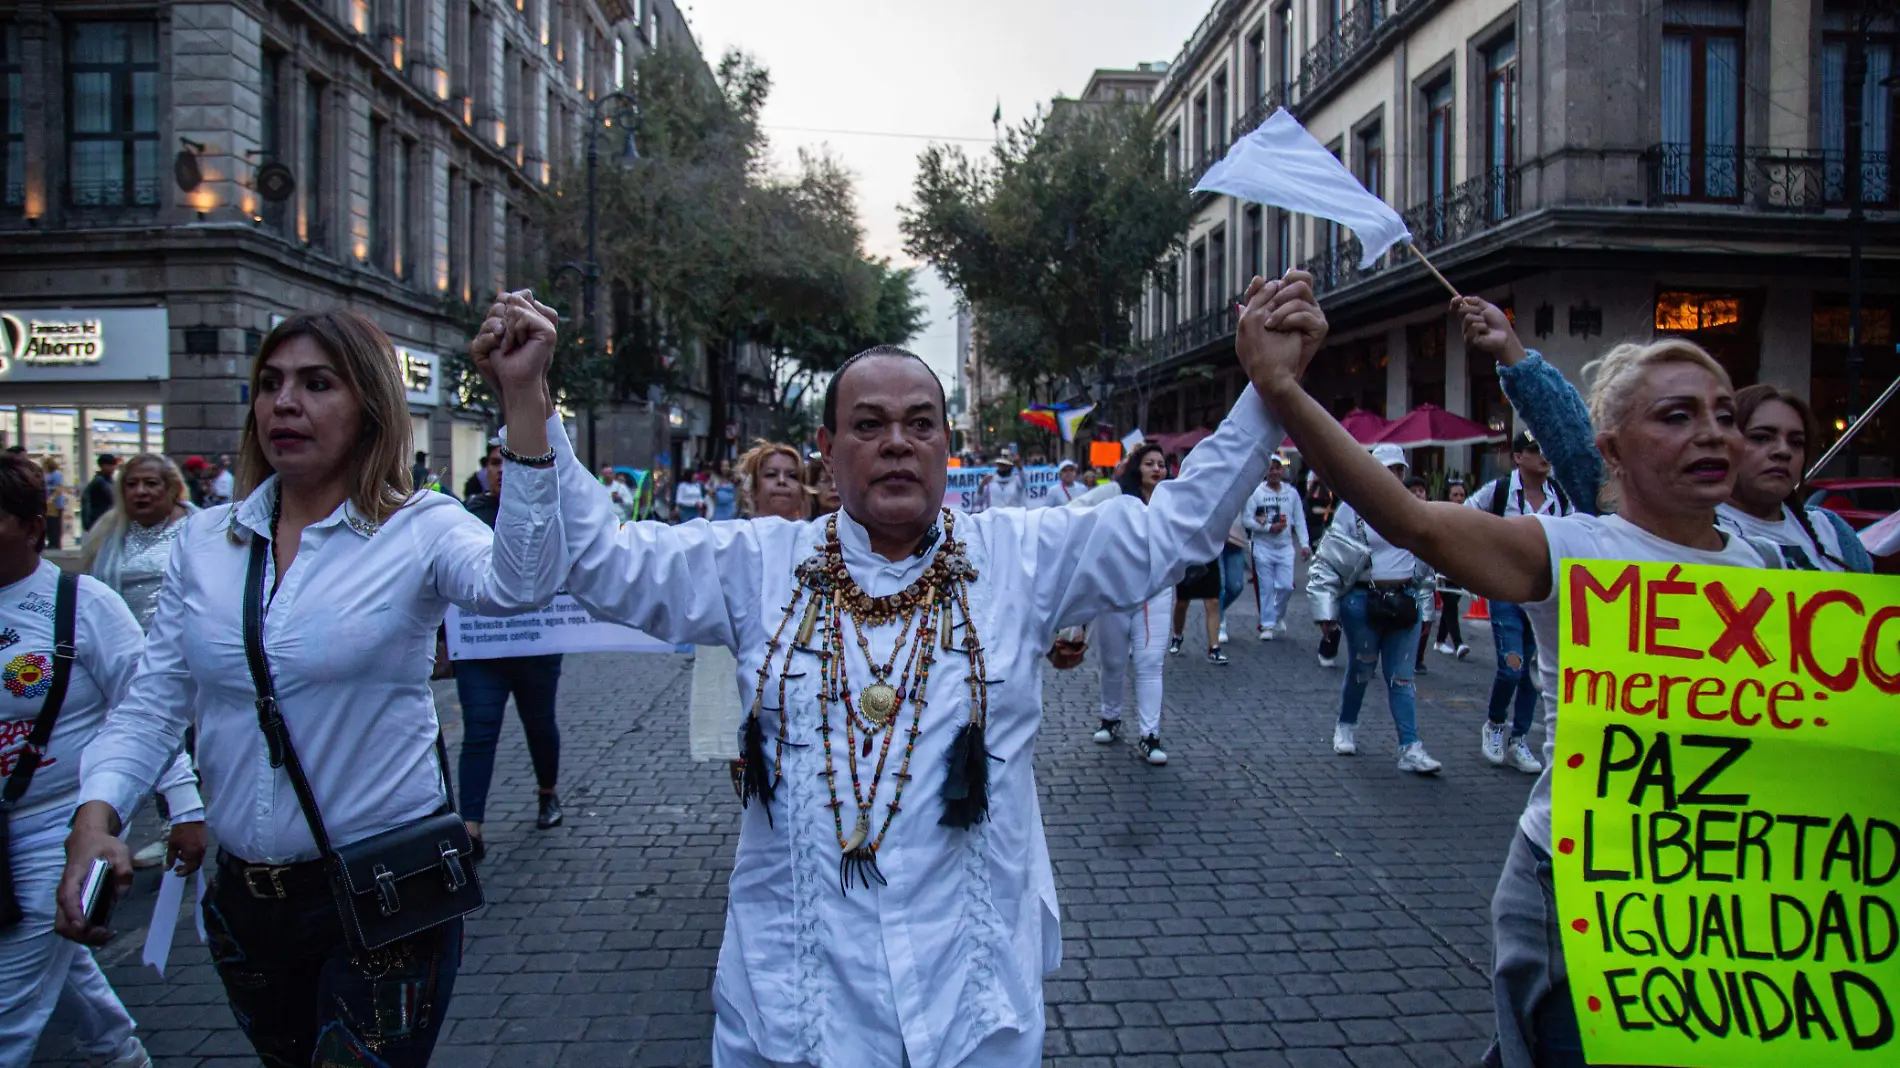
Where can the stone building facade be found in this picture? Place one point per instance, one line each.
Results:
(147, 145)
(1607, 171)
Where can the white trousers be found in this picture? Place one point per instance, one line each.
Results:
(732, 1047)
(1272, 580)
(1140, 636)
(43, 976)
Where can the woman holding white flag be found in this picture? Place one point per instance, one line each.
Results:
(1665, 425)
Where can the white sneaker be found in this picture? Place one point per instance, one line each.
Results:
(1222, 640)
(1280, 627)
(1491, 742)
(1326, 661)
(1343, 742)
(152, 855)
(1414, 758)
(136, 1057)
(1444, 647)
(1520, 755)
(1150, 746)
(1266, 634)
(1464, 652)
(1105, 735)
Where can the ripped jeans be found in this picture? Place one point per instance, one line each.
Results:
(302, 1000)
(1366, 647)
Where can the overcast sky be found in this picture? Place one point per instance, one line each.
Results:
(851, 74)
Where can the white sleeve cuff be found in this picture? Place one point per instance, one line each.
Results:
(123, 792)
(196, 815)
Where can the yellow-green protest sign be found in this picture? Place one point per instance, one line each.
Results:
(1726, 814)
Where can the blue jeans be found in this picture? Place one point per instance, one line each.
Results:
(1530, 984)
(302, 999)
(1233, 575)
(484, 687)
(1366, 649)
(1517, 648)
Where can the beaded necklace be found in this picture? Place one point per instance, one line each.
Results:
(925, 609)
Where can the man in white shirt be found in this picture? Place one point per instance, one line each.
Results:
(1528, 490)
(223, 485)
(1066, 489)
(1276, 522)
(919, 937)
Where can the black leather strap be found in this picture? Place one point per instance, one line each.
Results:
(270, 718)
(65, 628)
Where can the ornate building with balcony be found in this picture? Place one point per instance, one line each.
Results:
(221, 165)
(1608, 171)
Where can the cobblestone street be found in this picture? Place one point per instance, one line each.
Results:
(1258, 901)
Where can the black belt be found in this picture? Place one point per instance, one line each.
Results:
(1384, 584)
(275, 882)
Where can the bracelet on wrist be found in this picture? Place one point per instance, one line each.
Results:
(546, 459)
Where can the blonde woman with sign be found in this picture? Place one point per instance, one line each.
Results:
(1664, 416)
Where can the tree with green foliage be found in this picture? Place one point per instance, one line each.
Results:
(702, 240)
(1052, 238)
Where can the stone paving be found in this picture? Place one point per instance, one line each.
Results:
(1258, 901)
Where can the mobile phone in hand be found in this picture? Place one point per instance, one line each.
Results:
(98, 896)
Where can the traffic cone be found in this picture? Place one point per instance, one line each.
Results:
(1478, 610)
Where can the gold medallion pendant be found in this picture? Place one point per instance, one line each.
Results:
(878, 702)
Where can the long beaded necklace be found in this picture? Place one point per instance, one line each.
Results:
(926, 608)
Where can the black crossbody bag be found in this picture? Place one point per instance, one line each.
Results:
(65, 625)
(390, 885)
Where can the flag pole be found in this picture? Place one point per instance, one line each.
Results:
(1872, 410)
(1435, 272)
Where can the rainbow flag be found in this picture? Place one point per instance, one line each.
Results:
(1061, 419)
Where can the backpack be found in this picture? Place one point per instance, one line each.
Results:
(1501, 492)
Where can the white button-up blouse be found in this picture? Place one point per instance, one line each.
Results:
(350, 636)
(953, 948)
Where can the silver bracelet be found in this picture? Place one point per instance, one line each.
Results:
(544, 460)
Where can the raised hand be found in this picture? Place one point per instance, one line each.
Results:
(1487, 331)
(1280, 329)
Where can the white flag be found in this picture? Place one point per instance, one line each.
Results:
(1282, 165)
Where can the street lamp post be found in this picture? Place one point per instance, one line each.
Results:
(589, 271)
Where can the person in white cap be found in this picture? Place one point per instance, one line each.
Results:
(1067, 487)
(1379, 594)
(1276, 524)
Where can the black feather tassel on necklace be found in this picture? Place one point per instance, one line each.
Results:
(928, 607)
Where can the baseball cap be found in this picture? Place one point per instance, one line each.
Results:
(1276, 458)
(1390, 455)
(1524, 442)
(1065, 463)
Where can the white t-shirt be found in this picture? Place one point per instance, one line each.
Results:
(223, 486)
(1281, 503)
(1060, 494)
(1589, 537)
(1389, 562)
(688, 496)
(108, 642)
(1802, 553)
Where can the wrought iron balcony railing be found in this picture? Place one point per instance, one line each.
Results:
(1257, 114)
(1357, 27)
(1764, 179)
(1472, 206)
(1192, 333)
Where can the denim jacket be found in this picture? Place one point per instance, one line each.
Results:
(1555, 413)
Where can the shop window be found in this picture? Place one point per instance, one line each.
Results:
(1425, 362)
(1726, 324)
(112, 113)
(1830, 326)
(1688, 313)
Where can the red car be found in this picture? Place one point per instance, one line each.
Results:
(1860, 501)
